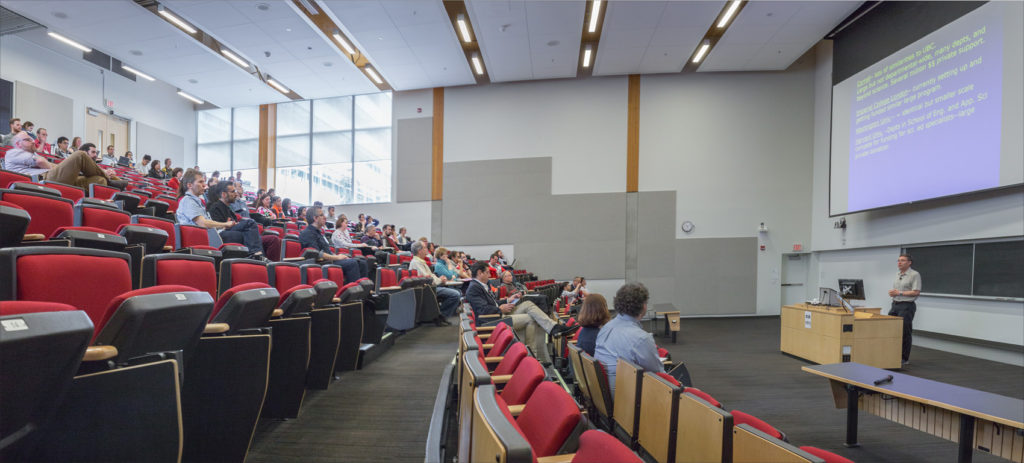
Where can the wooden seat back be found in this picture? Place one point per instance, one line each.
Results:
(750, 445)
(703, 431)
(628, 384)
(659, 407)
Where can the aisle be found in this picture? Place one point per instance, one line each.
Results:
(380, 413)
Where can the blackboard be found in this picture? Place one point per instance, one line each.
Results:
(944, 269)
(999, 269)
(992, 268)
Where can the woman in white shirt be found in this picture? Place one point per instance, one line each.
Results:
(340, 238)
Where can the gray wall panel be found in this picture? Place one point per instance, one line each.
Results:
(716, 276)
(160, 144)
(557, 236)
(46, 109)
(413, 159)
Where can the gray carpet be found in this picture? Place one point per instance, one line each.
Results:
(737, 360)
(380, 413)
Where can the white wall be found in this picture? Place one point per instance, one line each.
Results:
(153, 103)
(868, 248)
(580, 124)
(737, 150)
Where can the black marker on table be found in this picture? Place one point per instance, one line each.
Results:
(887, 379)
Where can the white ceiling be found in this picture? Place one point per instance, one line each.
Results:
(413, 44)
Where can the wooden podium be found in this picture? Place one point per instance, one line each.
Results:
(824, 335)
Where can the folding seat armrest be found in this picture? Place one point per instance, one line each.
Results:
(34, 237)
(515, 410)
(563, 458)
(390, 288)
(488, 346)
(277, 313)
(500, 379)
(216, 328)
(98, 353)
(484, 329)
(483, 337)
(493, 359)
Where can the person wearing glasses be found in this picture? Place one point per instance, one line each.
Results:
(79, 169)
(904, 292)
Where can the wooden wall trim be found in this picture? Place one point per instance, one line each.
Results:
(437, 147)
(633, 135)
(267, 145)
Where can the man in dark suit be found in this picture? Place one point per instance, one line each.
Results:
(527, 319)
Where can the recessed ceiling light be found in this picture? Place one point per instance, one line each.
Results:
(135, 52)
(344, 43)
(233, 57)
(729, 13)
(262, 7)
(137, 72)
(595, 11)
(328, 64)
(478, 65)
(190, 97)
(277, 85)
(193, 81)
(175, 20)
(463, 28)
(287, 29)
(60, 15)
(373, 75)
(69, 42)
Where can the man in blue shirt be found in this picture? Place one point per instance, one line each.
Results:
(624, 338)
(313, 237)
(192, 211)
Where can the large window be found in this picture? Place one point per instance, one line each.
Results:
(335, 150)
(228, 142)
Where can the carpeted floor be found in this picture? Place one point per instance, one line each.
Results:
(737, 360)
(380, 413)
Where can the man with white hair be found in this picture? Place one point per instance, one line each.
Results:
(448, 298)
(79, 169)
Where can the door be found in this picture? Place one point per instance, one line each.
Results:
(794, 278)
(104, 130)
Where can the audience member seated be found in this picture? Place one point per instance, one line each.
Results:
(191, 211)
(526, 318)
(264, 206)
(330, 215)
(575, 291)
(155, 171)
(167, 167)
(443, 266)
(8, 139)
(495, 265)
(340, 238)
(175, 180)
(286, 208)
(458, 259)
(79, 169)
(221, 211)
(371, 238)
(593, 315)
(448, 298)
(143, 167)
(360, 224)
(109, 158)
(403, 238)
(29, 128)
(41, 145)
(313, 237)
(508, 280)
(61, 150)
(276, 205)
(238, 206)
(501, 258)
(624, 338)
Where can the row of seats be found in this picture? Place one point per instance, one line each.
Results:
(508, 410)
(671, 422)
(194, 346)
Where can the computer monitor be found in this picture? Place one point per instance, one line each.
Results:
(851, 289)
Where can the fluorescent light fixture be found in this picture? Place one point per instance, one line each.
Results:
(176, 20)
(277, 85)
(373, 75)
(308, 7)
(233, 57)
(463, 28)
(702, 51)
(136, 72)
(729, 13)
(586, 56)
(344, 43)
(477, 64)
(595, 11)
(69, 42)
(190, 97)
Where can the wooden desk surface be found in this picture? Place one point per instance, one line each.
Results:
(984, 405)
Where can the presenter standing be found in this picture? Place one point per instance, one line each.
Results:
(904, 292)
